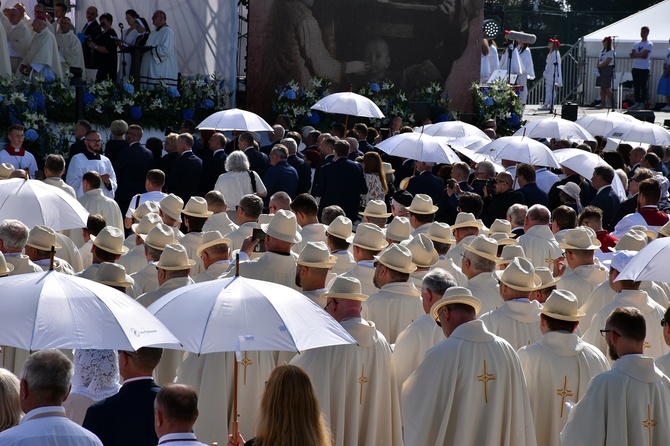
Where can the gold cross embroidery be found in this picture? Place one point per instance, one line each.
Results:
(549, 261)
(647, 344)
(649, 423)
(485, 378)
(246, 362)
(564, 392)
(362, 380)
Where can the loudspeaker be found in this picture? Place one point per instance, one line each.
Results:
(569, 111)
(642, 115)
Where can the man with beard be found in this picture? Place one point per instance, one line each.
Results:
(91, 159)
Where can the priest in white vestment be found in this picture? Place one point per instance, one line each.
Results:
(628, 405)
(465, 230)
(160, 62)
(96, 202)
(70, 50)
(38, 248)
(146, 279)
(42, 56)
(219, 221)
(92, 159)
(440, 234)
(136, 259)
(107, 247)
(194, 216)
(584, 273)
(54, 168)
(5, 64)
(215, 254)
(478, 264)
(538, 242)
(306, 210)
(314, 263)
(559, 366)
(368, 243)
(470, 388)
(355, 384)
(19, 38)
(248, 211)
(339, 237)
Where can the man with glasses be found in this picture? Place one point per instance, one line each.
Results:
(472, 372)
(628, 404)
(92, 159)
(496, 205)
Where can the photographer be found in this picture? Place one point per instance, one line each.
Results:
(485, 174)
(454, 187)
(504, 196)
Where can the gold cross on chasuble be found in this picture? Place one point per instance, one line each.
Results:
(246, 362)
(649, 423)
(563, 392)
(362, 380)
(485, 378)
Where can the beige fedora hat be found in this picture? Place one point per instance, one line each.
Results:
(664, 231)
(197, 207)
(113, 274)
(423, 251)
(376, 209)
(144, 209)
(484, 246)
(563, 305)
(159, 237)
(397, 258)
(579, 238)
(441, 233)
(341, 228)
(316, 255)
(633, 240)
(399, 229)
(388, 168)
(283, 226)
(147, 223)
(369, 236)
(42, 238)
(6, 170)
(502, 226)
(5, 268)
(212, 238)
(111, 240)
(547, 277)
(466, 220)
(651, 234)
(174, 258)
(456, 295)
(344, 287)
(571, 189)
(172, 206)
(509, 252)
(503, 238)
(422, 204)
(520, 275)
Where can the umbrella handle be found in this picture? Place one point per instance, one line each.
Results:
(235, 425)
(52, 255)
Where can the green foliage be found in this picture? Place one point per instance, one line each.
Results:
(295, 101)
(498, 101)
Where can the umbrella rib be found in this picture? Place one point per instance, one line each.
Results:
(204, 330)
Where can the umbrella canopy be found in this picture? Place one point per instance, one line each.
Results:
(521, 149)
(235, 119)
(452, 130)
(640, 133)
(53, 310)
(348, 104)
(419, 147)
(238, 314)
(556, 128)
(651, 263)
(583, 163)
(36, 203)
(601, 124)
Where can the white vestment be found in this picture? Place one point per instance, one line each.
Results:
(146, 280)
(627, 405)
(528, 72)
(214, 271)
(60, 265)
(315, 232)
(22, 264)
(219, 222)
(449, 266)
(484, 286)
(19, 38)
(583, 280)
(515, 321)
(160, 64)
(364, 272)
(557, 368)
(70, 50)
(69, 252)
(192, 242)
(42, 55)
(412, 344)
(315, 296)
(345, 261)
(469, 390)
(79, 165)
(97, 202)
(26, 161)
(663, 364)
(504, 64)
(87, 255)
(423, 229)
(134, 260)
(271, 267)
(393, 308)
(540, 246)
(238, 235)
(59, 183)
(356, 387)
(456, 251)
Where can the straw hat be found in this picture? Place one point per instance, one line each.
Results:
(456, 295)
(147, 223)
(502, 226)
(375, 209)
(144, 209)
(485, 247)
(503, 238)
(651, 234)
(42, 238)
(664, 230)
(283, 226)
(441, 233)
(197, 207)
(621, 258)
(571, 189)
(399, 229)
(579, 238)
(344, 287)
(563, 305)
(113, 274)
(369, 236)
(111, 240)
(422, 204)
(212, 238)
(6, 170)
(466, 220)
(5, 268)
(172, 206)
(160, 236)
(509, 252)
(633, 240)
(341, 228)
(547, 277)
(397, 258)
(316, 255)
(520, 275)
(174, 258)
(423, 251)
(264, 219)
(388, 169)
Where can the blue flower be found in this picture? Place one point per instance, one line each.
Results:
(31, 135)
(485, 90)
(290, 94)
(130, 89)
(313, 119)
(1, 99)
(208, 104)
(188, 114)
(135, 112)
(443, 118)
(514, 120)
(275, 109)
(374, 87)
(173, 92)
(88, 98)
(488, 101)
(38, 98)
(49, 78)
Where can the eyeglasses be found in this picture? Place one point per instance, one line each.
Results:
(603, 331)
(663, 322)
(437, 320)
(328, 304)
(95, 140)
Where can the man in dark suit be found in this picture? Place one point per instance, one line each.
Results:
(275, 136)
(525, 175)
(606, 199)
(341, 182)
(424, 182)
(127, 418)
(91, 29)
(505, 196)
(301, 167)
(448, 204)
(281, 177)
(362, 132)
(629, 206)
(404, 169)
(81, 128)
(172, 153)
(258, 161)
(585, 195)
(184, 179)
(353, 148)
(131, 167)
(216, 165)
(326, 144)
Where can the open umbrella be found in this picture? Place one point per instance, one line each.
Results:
(348, 103)
(53, 310)
(36, 203)
(651, 263)
(521, 149)
(235, 119)
(583, 163)
(602, 123)
(556, 128)
(640, 133)
(419, 147)
(452, 130)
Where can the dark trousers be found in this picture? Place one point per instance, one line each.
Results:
(640, 79)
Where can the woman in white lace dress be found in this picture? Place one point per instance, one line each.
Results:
(374, 178)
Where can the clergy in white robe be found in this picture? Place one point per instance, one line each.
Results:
(559, 366)
(92, 160)
(312, 232)
(219, 222)
(538, 242)
(312, 271)
(552, 74)
(69, 252)
(19, 39)
(160, 63)
(584, 273)
(367, 243)
(629, 404)
(214, 252)
(42, 55)
(470, 388)
(59, 183)
(69, 48)
(5, 64)
(478, 264)
(339, 236)
(96, 202)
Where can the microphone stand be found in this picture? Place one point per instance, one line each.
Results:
(613, 74)
(123, 55)
(510, 48)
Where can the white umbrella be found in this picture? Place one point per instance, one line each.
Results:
(640, 132)
(235, 119)
(583, 163)
(473, 155)
(348, 104)
(521, 149)
(419, 147)
(556, 128)
(651, 263)
(36, 203)
(601, 124)
(53, 310)
(452, 130)
(467, 142)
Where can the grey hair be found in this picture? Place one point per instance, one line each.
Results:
(290, 145)
(487, 167)
(438, 281)
(539, 212)
(282, 200)
(14, 234)
(48, 374)
(154, 253)
(353, 143)
(479, 263)
(237, 162)
(517, 213)
(281, 151)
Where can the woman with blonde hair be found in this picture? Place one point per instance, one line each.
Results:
(375, 178)
(10, 404)
(290, 414)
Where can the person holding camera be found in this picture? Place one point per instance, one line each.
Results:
(503, 197)
(455, 186)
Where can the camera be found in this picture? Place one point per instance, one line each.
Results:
(451, 183)
(489, 185)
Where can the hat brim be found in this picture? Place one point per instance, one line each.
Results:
(548, 284)
(56, 245)
(347, 239)
(144, 239)
(467, 224)
(349, 296)
(111, 283)
(408, 270)
(537, 281)
(176, 217)
(433, 260)
(9, 269)
(462, 299)
(297, 238)
(423, 211)
(220, 241)
(591, 247)
(571, 318)
(367, 214)
(193, 214)
(384, 244)
(653, 234)
(446, 241)
(486, 255)
(124, 249)
(326, 265)
(562, 187)
(191, 264)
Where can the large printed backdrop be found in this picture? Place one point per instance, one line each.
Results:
(353, 42)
